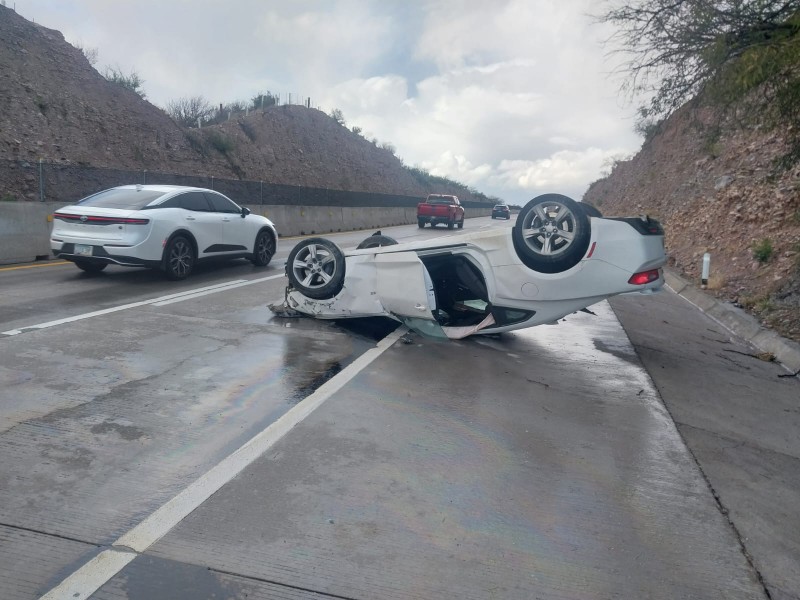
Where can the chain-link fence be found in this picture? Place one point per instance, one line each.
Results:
(53, 182)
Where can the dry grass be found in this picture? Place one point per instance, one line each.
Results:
(716, 282)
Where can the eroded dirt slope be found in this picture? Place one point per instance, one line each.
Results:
(721, 195)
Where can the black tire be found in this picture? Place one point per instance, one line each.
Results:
(493, 216)
(315, 268)
(551, 234)
(263, 248)
(376, 241)
(461, 223)
(420, 223)
(90, 266)
(590, 210)
(451, 224)
(179, 258)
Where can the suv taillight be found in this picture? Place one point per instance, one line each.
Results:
(645, 277)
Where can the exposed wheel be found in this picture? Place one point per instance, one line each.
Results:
(315, 268)
(551, 233)
(461, 223)
(90, 266)
(450, 224)
(263, 249)
(376, 241)
(493, 216)
(420, 223)
(179, 258)
(590, 210)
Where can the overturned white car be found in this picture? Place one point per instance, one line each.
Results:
(560, 257)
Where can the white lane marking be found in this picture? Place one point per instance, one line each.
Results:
(86, 581)
(205, 293)
(160, 301)
(94, 574)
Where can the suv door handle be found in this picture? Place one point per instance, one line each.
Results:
(190, 218)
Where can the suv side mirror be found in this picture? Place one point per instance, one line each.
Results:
(245, 211)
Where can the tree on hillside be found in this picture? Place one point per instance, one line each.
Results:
(338, 116)
(723, 49)
(262, 100)
(237, 106)
(91, 54)
(132, 81)
(186, 111)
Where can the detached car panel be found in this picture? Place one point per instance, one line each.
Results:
(558, 258)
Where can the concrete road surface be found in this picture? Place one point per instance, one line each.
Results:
(740, 419)
(198, 447)
(538, 465)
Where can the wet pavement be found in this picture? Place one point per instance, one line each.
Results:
(546, 469)
(106, 418)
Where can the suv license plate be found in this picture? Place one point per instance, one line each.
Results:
(83, 250)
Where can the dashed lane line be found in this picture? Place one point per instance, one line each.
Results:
(160, 301)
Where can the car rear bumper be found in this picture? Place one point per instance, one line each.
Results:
(435, 219)
(101, 255)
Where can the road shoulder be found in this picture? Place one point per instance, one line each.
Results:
(738, 417)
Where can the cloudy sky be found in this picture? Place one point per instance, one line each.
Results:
(511, 97)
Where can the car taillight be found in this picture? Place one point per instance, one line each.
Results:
(121, 221)
(644, 277)
(94, 220)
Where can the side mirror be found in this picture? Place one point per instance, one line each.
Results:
(245, 211)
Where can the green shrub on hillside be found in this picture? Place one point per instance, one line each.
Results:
(220, 143)
(131, 81)
(763, 250)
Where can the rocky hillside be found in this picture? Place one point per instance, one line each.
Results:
(722, 195)
(55, 106)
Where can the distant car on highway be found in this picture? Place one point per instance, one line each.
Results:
(557, 259)
(165, 227)
(501, 211)
(440, 208)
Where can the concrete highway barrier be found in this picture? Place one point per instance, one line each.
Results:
(25, 226)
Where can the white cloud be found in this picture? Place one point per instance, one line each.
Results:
(565, 171)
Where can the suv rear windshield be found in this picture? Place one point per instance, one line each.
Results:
(130, 199)
(441, 201)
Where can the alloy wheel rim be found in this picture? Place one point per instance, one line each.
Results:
(180, 259)
(314, 266)
(264, 248)
(549, 229)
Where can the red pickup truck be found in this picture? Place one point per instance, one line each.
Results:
(440, 208)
